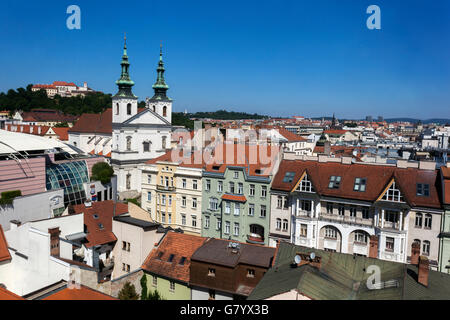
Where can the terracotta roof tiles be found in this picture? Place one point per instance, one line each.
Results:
(4, 251)
(83, 293)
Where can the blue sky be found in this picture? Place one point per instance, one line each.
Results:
(280, 58)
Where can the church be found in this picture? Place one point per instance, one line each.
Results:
(138, 134)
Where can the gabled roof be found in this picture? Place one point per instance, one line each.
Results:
(63, 133)
(94, 123)
(4, 251)
(179, 245)
(44, 115)
(8, 295)
(83, 293)
(232, 197)
(177, 156)
(377, 179)
(98, 221)
(290, 136)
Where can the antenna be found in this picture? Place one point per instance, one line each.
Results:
(297, 259)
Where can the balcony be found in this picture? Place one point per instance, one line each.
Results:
(347, 219)
(165, 188)
(304, 214)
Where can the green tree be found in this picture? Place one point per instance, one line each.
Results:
(144, 290)
(155, 295)
(128, 292)
(101, 171)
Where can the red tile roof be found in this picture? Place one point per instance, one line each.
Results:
(105, 213)
(29, 129)
(63, 133)
(177, 156)
(4, 252)
(65, 84)
(378, 177)
(178, 244)
(335, 132)
(290, 136)
(232, 197)
(94, 123)
(8, 295)
(44, 115)
(84, 293)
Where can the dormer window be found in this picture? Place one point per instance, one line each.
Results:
(360, 184)
(289, 177)
(306, 185)
(335, 182)
(393, 194)
(423, 190)
(171, 258)
(182, 261)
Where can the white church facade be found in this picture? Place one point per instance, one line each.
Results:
(141, 134)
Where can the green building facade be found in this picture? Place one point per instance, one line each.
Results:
(236, 205)
(444, 247)
(169, 289)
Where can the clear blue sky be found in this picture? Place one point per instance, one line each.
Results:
(285, 58)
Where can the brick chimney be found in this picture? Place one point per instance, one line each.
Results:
(373, 247)
(415, 253)
(424, 270)
(54, 241)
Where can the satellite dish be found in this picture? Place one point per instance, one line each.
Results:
(297, 259)
(312, 255)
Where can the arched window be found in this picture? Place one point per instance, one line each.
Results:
(154, 108)
(129, 109)
(164, 140)
(117, 108)
(128, 143)
(146, 145)
(418, 220)
(128, 181)
(165, 111)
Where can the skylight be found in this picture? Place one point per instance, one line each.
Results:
(360, 184)
(182, 261)
(335, 182)
(171, 258)
(289, 177)
(423, 190)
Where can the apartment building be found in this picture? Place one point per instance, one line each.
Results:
(172, 190)
(337, 205)
(444, 236)
(236, 192)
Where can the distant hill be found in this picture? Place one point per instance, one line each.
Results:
(226, 115)
(412, 120)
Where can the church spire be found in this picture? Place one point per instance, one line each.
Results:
(125, 83)
(160, 87)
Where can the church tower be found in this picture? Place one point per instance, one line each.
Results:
(160, 103)
(124, 103)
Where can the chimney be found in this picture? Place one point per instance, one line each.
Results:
(327, 148)
(424, 270)
(415, 253)
(373, 249)
(54, 241)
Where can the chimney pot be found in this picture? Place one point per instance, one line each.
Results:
(373, 249)
(54, 241)
(424, 270)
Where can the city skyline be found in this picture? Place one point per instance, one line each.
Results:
(312, 59)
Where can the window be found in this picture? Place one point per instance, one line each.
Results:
(393, 194)
(183, 201)
(149, 179)
(286, 203)
(194, 221)
(219, 186)
(171, 258)
(182, 261)
(194, 184)
(360, 237)
(170, 218)
(124, 245)
(285, 225)
(428, 220)
(303, 230)
(163, 142)
(250, 273)
(183, 219)
(206, 222)
(426, 248)
(252, 190)
(240, 188)
(390, 244)
(211, 272)
(251, 210)
(231, 187)
(360, 184)
(129, 109)
(163, 199)
(172, 287)
(101, 226)
(279, 202)
(330, 233)
(170, 200)
(154, 281)
(208, 185)
(227, 207)
(128, 143)
(236, 229)
(263, 191)
(306, 185)
(184, 182)
(329, 208)
(289, 177)
(146, 146)
(219, 224)
(227, 227)
(164, 111)
(278, 224)
(423, 190)
(306, 205)
(419, 218)
(391, 216)
(194, 203)
(236, 174)
(365, 213)
(163, 217)
(263, 211)
(341, 210)
(213, 204)
(117, 108)
(353, 211)
(237, 209)
(335, 182)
